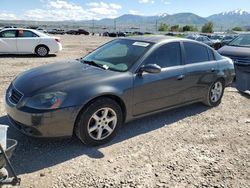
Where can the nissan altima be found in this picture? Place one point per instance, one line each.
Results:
(122, 80)
(28, 41)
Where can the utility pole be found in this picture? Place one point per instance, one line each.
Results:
(156, 25)
(93, 25)
(115, 24)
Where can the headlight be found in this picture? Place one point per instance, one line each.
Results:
(44, 101)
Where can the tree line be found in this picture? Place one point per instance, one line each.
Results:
(206, 28)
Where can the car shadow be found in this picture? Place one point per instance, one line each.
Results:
(246, 95)
(24, 56)
(35, 154)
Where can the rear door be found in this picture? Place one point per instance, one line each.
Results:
(8, 42)
(200, 68)
(27, 41)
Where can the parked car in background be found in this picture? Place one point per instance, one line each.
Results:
(204, 39)
(113, 34)
(138, 33)
(216, 38)
(28, 41)
(56, 31)
(238, 49)
(78, 32)
(122, 80)
(7, 27)
(42, 30)
(227, 39)
(121, 34)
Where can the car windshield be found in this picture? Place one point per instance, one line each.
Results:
(242, 41)
(118, 55)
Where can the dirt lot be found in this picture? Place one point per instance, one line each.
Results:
(193, 146)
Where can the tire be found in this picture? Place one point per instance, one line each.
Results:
(42, 51)
(99, 122)
(215, 93)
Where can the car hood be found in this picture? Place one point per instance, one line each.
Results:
(234, 51)
(64, 75)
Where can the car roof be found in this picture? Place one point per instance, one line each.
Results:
(24, 29)
(6, 29)
(156, 38)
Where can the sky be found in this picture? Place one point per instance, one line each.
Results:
(55, 10)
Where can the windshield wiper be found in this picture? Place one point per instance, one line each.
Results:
(93, 63)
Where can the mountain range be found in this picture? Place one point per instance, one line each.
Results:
(225, 20)
(231, 19)
(222, 21)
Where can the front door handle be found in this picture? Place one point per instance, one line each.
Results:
(180, 77)
(212, 69)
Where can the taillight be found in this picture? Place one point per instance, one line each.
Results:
(57, 40)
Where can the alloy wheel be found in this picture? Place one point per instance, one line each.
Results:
(102, 123)
(42, 51)
(216, 92)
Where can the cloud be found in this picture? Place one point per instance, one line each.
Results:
(59, 4)
(166, 2)
(146, 1)
(135, 12)
(57, 10)
(101, 8)
(7, 16)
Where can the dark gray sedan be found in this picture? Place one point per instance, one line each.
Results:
(122, 80)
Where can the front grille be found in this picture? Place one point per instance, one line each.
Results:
(15, 96)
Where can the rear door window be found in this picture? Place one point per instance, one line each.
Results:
(8, 34)
(195, 53)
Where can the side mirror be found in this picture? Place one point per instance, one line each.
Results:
(150, 68)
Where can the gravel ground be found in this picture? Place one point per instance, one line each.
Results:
(193, 146)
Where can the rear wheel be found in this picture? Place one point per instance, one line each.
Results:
(42, 51)
(215, 93)
(99, 122)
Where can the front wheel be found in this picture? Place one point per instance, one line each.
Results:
(99, 122)
(215, 94)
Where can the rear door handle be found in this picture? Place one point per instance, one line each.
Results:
(180, 77)
(212, 69)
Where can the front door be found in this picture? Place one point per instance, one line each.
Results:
(154, 92)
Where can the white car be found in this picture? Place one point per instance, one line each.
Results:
(28, 41)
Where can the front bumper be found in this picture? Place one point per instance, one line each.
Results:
(53, 123)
